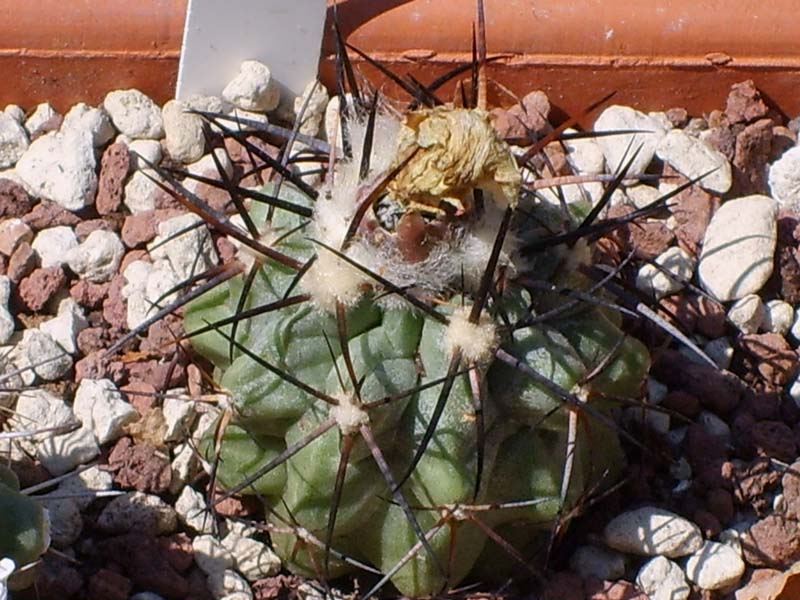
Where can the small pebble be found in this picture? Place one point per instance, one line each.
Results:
(43, 120)
(192, 510)
(13, 141)
(677, 262)
(66, 325)
(144, 152)
(179, 413)
(66, 523)
(748, 314)
(591, 561)
(651, 531)
(253, 88)
(98, 257)
(94, 121)
(694, 158)
(662, 579)
(210, 555)
(619, 149)
(779, 316)
(82, 484)
(100, 406)
(134, 114)
(715, 566)
(6, 318)
(53, 245)
(184, 132)
(738, 248)
(228, 582)
(45, 357)
(253, 559)
(141, 191)
(189, 253)
(139, 512)
(13, 232)
(720, 350)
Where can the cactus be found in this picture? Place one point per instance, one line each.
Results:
(411, 390)
(24, 527)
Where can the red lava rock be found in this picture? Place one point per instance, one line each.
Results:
(753, 149)
(242, 159)
(14, 200)
(39, 287)
(226, 249)
(720, 503)
(111, 186)
(707, 455)
(772, 542)
(84, 228)
(649, 238)
(707, 522)
(161, 336)
(231, 507)
(92, 339)
(612, 590)
(716, 390)
(139, 228)
(55, 578)
(744, 103)
(49, 214)
(115, 311)
(753, 479)
(108, 585)
(682, 402)
(776, 362)
(22, 262)
(788, 258)
(680, 308)
(529, 115)
(89, 294)
(774, 439)
(692, 209)
(142, 396)
(155, 373)
(140, 467)
(147, 564)
(679, 117)
(564, 586)
(723, 140)
(178, 550)
(281, 586)
(3, 264)
(198, 586)
(97, 366)
(791, 491)
(710, 317)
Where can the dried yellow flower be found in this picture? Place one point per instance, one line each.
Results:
(457, 150)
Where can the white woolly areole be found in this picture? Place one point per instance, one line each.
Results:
(476, 341)
(331, 280)
(348, 415)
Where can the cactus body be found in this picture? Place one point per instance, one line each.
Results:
(524, 440)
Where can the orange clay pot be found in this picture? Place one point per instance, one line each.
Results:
(655, 54)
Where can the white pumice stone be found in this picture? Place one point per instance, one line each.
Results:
(134, 114)
(739, 246)
(99, 405)
(6, 318)
(253, 559)
(66, 325)
(48, 360)
(619, 149)
(83, 483)
(61, 167)
(94, 121)
(715, 566)
(16, 112)
(784, 180)
(98, 257)
(179, 413)
(694, 158)
(59, 454)
(210, 555)
(184, 132)
(253, 88)
(54, 244)
(189, 253)
(748, 314)
(229, 582)
(662, 579)
(652, 531)
(143, 152)
(191, 509)
(141, 191)
(779, 316)
(315, 99)
(13, 141)
(42, 120)
(675, 261)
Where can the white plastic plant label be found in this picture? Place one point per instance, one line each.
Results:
(284, 35)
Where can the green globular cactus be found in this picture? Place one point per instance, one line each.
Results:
(409, 337)
(24, 527)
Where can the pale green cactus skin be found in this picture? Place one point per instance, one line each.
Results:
(397, 349)
(24, 527)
